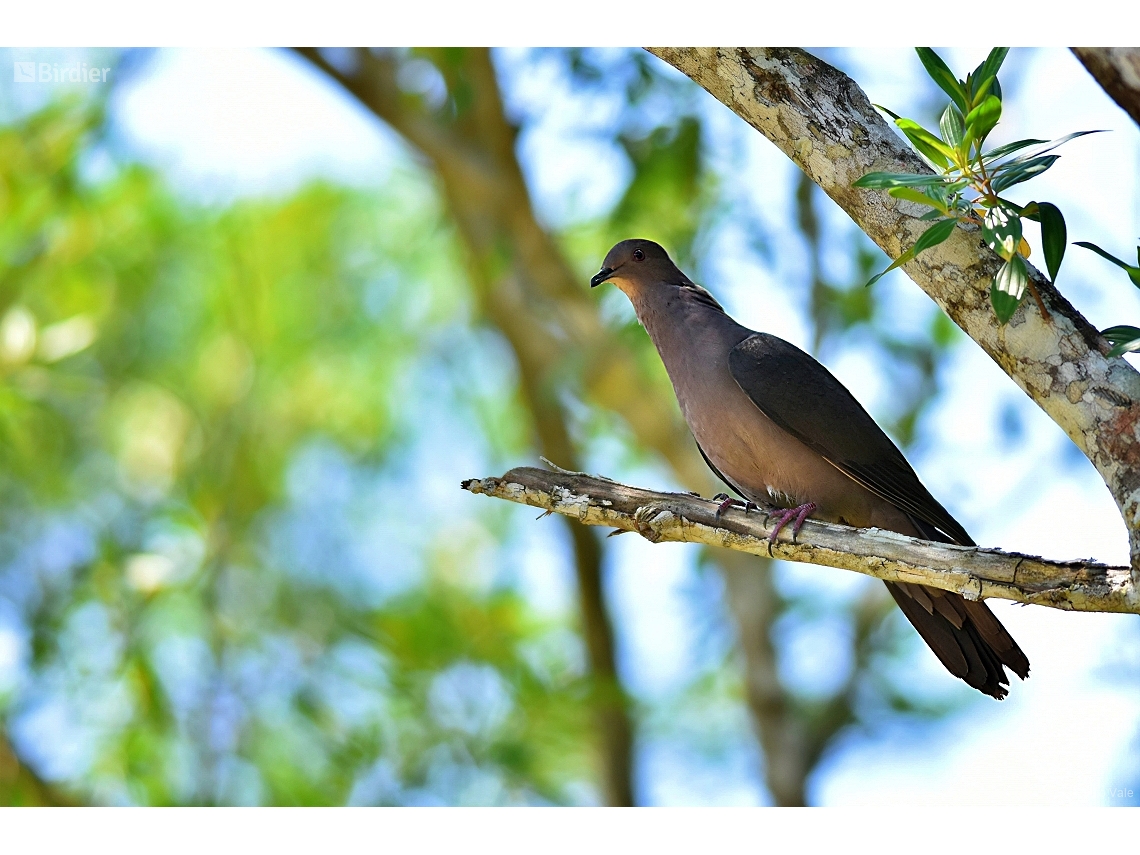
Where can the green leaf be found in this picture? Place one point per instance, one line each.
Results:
(1013, 277)
(890, 113)
(1124, 339)
(986, 73)
(1007, 177)
(1054, 237)
(948, 189)
(1008, 288)
(1002, 151)
(932, 215)
(898, 262)
(1001, 230)
(939, 192)
(933, 236)
(928, 145)
(980, 90)
(885, 180)
(1133, 272)
(941, 74)
(981, 120)
(1003, 304)
(952, 125)
(911, 195)
(1009, 148)
(902, 259)
(1103, 254)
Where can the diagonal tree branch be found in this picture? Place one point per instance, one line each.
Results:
(824, 122)
(1117, 70)
(970, 571)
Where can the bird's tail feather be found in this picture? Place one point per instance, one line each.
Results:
(964, 635)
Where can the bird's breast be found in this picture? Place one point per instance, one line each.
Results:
(764, 461)
(758, 457)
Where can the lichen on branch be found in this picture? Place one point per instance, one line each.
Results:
(973, 572)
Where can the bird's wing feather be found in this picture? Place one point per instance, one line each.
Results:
(720, 474)
(804, 398)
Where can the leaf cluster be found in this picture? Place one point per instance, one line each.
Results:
(207, 567)
(969, 181)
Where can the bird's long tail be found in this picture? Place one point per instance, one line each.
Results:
(964, 635)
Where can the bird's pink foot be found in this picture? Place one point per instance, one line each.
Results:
(726, 502)
(783, 517)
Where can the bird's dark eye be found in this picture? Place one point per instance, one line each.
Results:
(638, 255)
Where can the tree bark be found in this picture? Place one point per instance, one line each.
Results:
(1117, 70)
(973, 572)
(824, 122)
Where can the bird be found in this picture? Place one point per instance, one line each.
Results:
(781, 431)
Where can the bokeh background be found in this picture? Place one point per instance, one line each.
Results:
(261, 312)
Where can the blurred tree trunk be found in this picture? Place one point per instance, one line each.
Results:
(755, 606)
(793, 738)
(528, 291)
(515, 269)
(22, 787)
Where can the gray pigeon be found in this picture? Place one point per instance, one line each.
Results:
(778, 428)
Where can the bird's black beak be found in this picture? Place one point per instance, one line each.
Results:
(603, 274)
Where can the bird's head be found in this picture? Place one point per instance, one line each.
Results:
(634, 262)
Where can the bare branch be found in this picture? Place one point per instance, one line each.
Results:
(823, 121)
(972, 572)
(1117, 70)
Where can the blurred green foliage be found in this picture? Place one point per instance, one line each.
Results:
(204, 416)
(234, 564)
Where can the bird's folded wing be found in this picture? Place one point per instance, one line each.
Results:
(804, 398)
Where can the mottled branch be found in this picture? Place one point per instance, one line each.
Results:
(823, 121)
(1117, 70)
(973, 572)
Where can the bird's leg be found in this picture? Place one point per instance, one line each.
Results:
(726, 502)
(799, 513)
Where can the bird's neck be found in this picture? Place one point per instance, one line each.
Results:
(681, 320)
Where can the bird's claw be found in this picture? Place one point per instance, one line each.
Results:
(643, 519)
(800, 513)
(726, 502)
